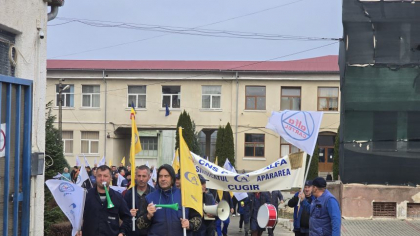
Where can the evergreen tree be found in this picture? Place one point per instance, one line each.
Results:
(219, 144)
(196, 144)
(53, 150)
(313, 168)
(188, 131)
(227, 146)
(336, 159)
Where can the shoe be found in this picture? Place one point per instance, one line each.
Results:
(239, 214)
(224, 234)
(233, 215)
(246, 234)
(240, 229)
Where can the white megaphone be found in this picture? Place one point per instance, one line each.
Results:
(220, 210)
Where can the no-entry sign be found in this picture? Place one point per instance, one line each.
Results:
(3, 140)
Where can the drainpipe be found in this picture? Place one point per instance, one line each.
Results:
(53, 14)
(236, 125)
(106, 89)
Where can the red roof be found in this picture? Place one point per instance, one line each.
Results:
(317, 64)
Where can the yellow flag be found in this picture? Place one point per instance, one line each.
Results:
(123, 161)
(110, 162)
(135, 145)
(191, 192)
(175, 161)
(219, 192)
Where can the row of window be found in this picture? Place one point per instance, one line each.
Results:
(255, 97)
(89, 143)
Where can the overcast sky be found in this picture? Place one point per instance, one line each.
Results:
(257, 20)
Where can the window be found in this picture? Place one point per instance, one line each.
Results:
(290, 99)
(90, 95)
(6, 41)
(90, 142)
(67, 95)
(327, 99)
(286, 148)
(255, 97)
(171, 96)
(254, 145)
(149, 146)
(67, 137)
(137, 96)
(211, 96)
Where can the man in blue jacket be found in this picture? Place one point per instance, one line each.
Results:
(275, 197)
(225, 196)
(325, 215)
(300, 215)
(142, 190)
(98, 219)
(166, 221)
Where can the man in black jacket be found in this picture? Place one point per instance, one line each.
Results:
(99, 220)
(300, 215)
(257, 199)
(142, 190)
(207, 226)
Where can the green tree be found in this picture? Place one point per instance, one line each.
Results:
(227, 146)
(219, 144)
(53, 152)
(336, 158)
(196, 143)
(313, 168)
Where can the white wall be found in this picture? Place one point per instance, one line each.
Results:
(23, 18)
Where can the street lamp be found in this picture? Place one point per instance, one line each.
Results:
(60, 106)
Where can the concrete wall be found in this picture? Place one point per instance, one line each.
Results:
(153, 116)
(357, 199)
(25, 19)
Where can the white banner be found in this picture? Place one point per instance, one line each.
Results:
(78, 163)
(280, 175)
(71, 199)
(118, 189)
(228, 166)
(82, 177)
(300, 128)
(102, 161)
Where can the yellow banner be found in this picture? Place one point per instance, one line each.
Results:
(123, 161)
(175, 161)
(135, 145)
(191, 192)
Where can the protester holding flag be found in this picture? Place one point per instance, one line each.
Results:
(98, 218)
(142, 189)
(74, 173)
(300, 215)
(66, 175)
(122, 167)
(257, 199)
(165, 221)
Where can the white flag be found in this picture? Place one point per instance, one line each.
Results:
(118, 189)
(57, 176)
(147, 164)
(102, 161)
(82, 177)
(86, 161)
(71, 199)
(228, 166)
(300, 128)
(154, 174)
(95, 162)
(120, 180)
(78, 163)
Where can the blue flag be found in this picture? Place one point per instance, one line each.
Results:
(167, 113)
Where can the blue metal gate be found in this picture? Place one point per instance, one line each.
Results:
(15, 165)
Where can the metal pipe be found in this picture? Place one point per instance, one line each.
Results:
(53, 13)
(106, 89)
(60, 109)
(236, 125)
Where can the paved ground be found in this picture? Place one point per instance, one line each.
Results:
(233, 229)
(380, 227)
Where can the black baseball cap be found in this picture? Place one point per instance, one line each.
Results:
(308, 183)
(319, 182)
(202, 179)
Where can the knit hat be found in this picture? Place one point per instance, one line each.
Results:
(319, 182)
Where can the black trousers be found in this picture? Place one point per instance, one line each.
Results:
(301, 234)
(235, 202)
(241, 221)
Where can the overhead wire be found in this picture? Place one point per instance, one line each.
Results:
(161, 35)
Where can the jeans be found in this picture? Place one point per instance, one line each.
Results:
(219, 226)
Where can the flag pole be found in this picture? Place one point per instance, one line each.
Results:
(134, 206)
(306, 176)
(183, 216)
